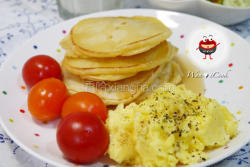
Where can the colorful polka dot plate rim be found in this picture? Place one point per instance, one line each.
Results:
(39, 139)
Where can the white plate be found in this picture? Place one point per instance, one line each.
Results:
(40, 139)
(225, 15)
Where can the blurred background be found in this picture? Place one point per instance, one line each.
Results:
(225, 12)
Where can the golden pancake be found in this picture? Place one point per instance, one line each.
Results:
(117, 36)
(158, 53)
(107, 77)
(113, 93)
(71, 50)
(177, 73)
(171, 73)
(121, 65)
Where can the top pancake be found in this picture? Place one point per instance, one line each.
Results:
(117, 36)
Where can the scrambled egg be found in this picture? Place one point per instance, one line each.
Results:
(172, 126)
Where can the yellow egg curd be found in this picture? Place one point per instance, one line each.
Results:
(172, 126)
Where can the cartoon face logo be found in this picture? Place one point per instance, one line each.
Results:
(207, 46)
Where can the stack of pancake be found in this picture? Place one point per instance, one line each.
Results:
(121, 59)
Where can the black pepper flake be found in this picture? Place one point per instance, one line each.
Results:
(173, 132)
(162, 127)
(154, 110)
(180, 134)
(194, 100)
(197, 129)
(204, 159)
(184, 115)
(187, 103)
(198, 107)
(189, 125)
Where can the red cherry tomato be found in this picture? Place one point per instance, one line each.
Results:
(82, 137)
(40, 67)
(46, 98)
(85, 102)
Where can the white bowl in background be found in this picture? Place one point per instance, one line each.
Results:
(224, 15)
